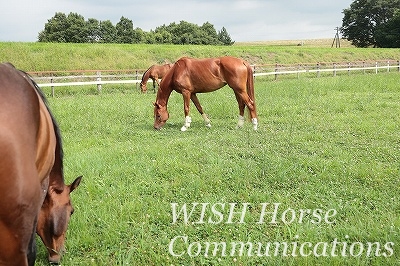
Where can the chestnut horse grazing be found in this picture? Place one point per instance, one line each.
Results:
(33, 197)
(154, 72)
(189, 76)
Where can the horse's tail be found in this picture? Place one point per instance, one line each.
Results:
(250, 86)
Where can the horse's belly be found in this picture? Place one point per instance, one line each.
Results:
(209, 85)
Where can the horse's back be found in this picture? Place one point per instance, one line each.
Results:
(19, 183)
(19, 117)
(209, 74)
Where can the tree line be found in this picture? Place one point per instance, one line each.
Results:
(73, 28)
(372, 23)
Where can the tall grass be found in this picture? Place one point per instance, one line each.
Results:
(59, 56)
(328, 143)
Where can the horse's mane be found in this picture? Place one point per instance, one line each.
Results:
(146, 74)
(57, 131)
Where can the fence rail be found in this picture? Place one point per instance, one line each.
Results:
(100, 77)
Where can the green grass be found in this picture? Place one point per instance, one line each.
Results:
(62, 56)
(328, 143)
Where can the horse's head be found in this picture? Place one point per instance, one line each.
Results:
(143, 87)
(160, 115)
(54, 217)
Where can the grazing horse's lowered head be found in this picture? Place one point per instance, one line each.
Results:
(54, 217)
(161, 115)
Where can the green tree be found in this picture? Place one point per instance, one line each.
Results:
(189, 33)
(150, 37)
(224, 37)
(364, 17)
(108, 32)
(62, 28)
(76, 30)
(183, 33)
(208, 34)
(162, 36)
(138, 35)
(93, 30)
(388, 34)
(54, 29)
(125, 30)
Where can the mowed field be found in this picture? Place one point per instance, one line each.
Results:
(328, 145)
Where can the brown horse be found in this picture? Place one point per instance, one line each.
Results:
(33, 194)
(189, 76)
(154, 72)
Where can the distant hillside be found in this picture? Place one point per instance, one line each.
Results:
(62, 56)
(305, 42)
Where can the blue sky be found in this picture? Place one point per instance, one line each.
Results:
(245, 20)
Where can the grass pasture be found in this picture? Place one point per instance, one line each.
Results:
(69, 56)
(323, 144)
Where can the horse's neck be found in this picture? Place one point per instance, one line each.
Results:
(146, 75)
(163, 94)
(46, 142)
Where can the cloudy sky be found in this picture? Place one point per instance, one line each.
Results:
(245, 20)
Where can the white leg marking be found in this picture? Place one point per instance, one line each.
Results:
(255, 123)
(206, 120)
(186, 125)
(240, 122)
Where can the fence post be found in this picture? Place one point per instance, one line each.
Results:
(136, 77)
(318, 68)
(399, 65)
(388, 66)
(98, 79)
(348, 68)
(254, 71)
(334, 69)
(298, 71)
(363, 67)
(52, 87)
(376, 67)
(276, 71)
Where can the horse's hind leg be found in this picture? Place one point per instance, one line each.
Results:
(241, 110)
(244, 100)
(196, 102)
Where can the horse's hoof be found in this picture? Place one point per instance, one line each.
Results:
(208, 125)
(183, 129)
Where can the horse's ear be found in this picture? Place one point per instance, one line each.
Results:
(75, 184)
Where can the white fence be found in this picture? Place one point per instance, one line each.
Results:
(100, 77)
(333, 68)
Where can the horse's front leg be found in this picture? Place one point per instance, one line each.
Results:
(155, 79)
(196, 102)
(158, 81)
(186, 106)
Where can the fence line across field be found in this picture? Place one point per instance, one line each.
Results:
(101, 77)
